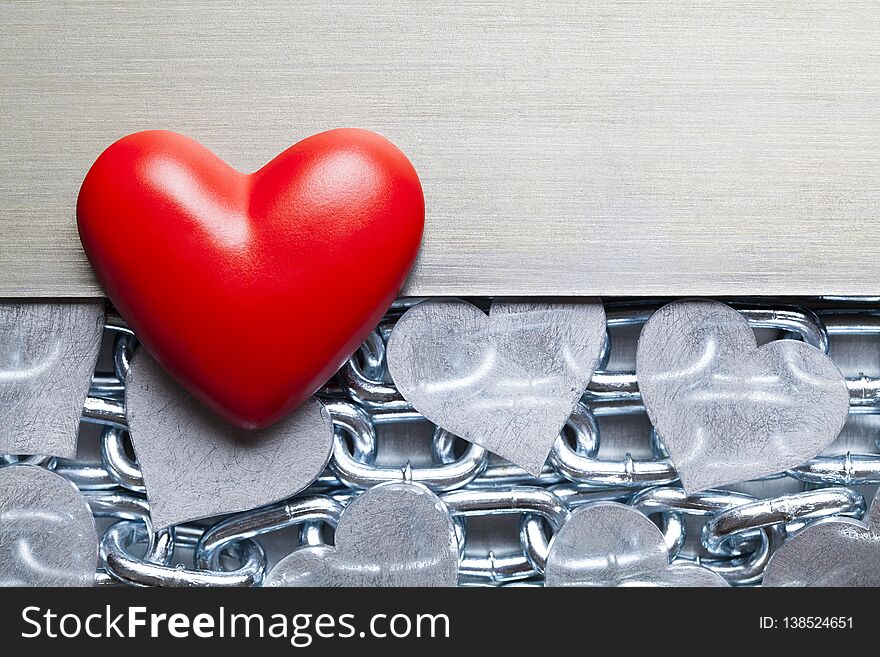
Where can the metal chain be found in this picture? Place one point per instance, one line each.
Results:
(737, 534)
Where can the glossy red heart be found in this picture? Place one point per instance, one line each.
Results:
(252, 289)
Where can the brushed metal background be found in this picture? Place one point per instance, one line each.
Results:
(613, 148)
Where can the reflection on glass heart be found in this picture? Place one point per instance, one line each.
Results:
(196, 465)
(726, 410)
(394, 534)
(830, 552)
(48, 353)
(507, 382)
(611, 544)
(47, 533)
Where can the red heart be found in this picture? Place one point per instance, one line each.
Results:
(252, 289)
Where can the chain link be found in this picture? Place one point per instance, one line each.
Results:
(737, 531)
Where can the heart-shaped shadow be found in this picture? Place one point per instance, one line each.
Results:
(830, 552)
(196, 465)
(48, 353)
(611, 544)
(393, 534)
(507, 382)
(47, 532)
(726, 410)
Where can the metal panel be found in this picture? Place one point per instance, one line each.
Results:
(565, 148)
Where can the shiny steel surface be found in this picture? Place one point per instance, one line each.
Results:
(300, 511)
(358, 470)
(504, 520)
(788, 510)
(135, 571)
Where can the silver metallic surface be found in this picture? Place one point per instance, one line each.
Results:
(830, 552)
(86, 476)
(122, 565)
(358, 469)
(787, 510)
(47, 533)
(395, 534)
(611, 544)
(841, 470)
(612, 148)
(742, 565)
(604, 450)
(312, 509)
(581, 465)
(119, 466)
(626, 472)
(507, 382)
(195, 466)
(726, 410)
(445, 476)
(109, 412)
(48, 352)
(512, 500)
(125, 506)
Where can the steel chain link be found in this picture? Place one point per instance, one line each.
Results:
(738, 531)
